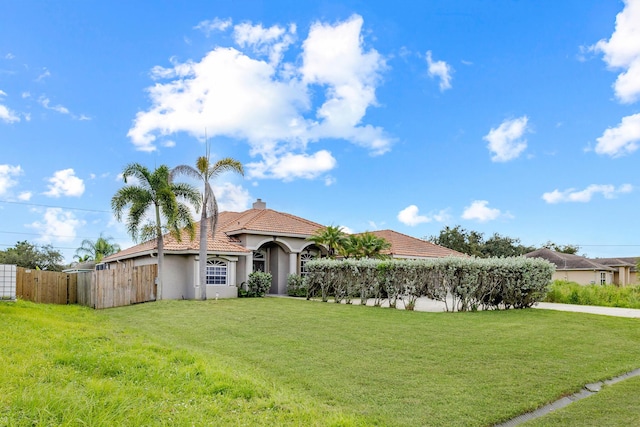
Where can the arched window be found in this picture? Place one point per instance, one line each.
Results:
(216, 272)
(304, 258)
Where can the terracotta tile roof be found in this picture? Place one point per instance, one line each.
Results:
(269, 221)
(229, 224)
(567, 261)
(407, 246)
(221, 244)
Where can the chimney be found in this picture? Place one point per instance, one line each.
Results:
(259, 204)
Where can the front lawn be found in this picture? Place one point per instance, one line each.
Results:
(290, 362)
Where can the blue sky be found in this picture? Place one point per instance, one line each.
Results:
(515, 117)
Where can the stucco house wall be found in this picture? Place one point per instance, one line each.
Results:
(583, 277)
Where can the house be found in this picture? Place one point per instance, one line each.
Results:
(258, 239)
(574, 268)
(403, 246)
(626, 269)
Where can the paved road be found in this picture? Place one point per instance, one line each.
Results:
(607, 311)
(426, 304)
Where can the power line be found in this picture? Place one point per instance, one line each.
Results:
(53, 206)
(58, 235)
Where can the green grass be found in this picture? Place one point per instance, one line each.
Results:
(289, 362)
(616, 405)
(603, 295)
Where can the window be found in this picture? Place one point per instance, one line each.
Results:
(603, 278)
(259, 259)
(216, 272)
(304, 258)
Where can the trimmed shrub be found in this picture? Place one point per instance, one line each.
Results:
(258, 284)
(463, 284)
(296, 286)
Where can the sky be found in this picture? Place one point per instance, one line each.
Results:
(514, 117)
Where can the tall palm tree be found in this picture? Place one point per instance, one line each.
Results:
(155, 190)
(205, 172)
(97, 250)
(332, 237)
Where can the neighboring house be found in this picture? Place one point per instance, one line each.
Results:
(626, 269)
(258, 239)
(574, 268)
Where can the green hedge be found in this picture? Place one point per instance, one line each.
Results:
(461, 283)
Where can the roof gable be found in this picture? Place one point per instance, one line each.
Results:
(403, 245)
(268, 221)
(564, 261)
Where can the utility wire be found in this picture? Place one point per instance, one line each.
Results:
(53, 206)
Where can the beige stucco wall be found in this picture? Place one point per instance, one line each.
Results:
(179, 277)
(583, 277)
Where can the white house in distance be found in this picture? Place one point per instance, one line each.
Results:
(258, 239)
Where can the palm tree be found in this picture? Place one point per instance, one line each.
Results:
(205, 171)
(95, 251)
(371, 246)
(365, 245)
(332, 237)
(155, 190)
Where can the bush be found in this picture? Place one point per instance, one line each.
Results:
(463, 284)
(603, 295)
(259, 284)
(296, 286)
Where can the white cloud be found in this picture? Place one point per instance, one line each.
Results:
(57, 225)
(44, 101)
(44, 75)
(272, 41)
(8, 116)
(9, 56)
(231, 197)
(409, 216)
(622, 51)
(169, 144)
(269, 103)
(65, 183)
(7, 175)
(333, 57)
(291, 166)
(346, 229)
(440, 69)
(622, 139)
(25, 95)
(479, 211)
(25, 196)
(211, 25)
(584, 196)
(506, 141)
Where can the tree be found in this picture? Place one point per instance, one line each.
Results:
(154, 191)
(205, 172)
(473, 243)
(332, 237)
(503, 246)
(565, 249)
(97, 250)
(28, 255)
(371, 246)
(459, 239)
(365, 245)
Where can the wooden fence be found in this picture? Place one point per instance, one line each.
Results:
(117, 287)
(96, 289)
(47, 287)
